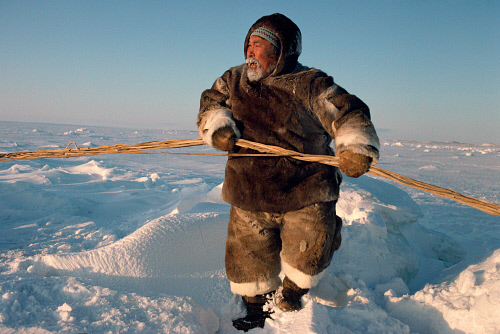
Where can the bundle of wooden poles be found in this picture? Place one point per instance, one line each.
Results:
(265, 150)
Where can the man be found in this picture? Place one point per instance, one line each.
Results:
(282, 214)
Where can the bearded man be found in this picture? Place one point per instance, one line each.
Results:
(282, 217)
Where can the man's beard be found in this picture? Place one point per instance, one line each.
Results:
(256, 74)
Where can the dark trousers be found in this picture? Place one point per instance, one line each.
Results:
(260, 244)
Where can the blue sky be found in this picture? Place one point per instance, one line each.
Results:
(429, 70)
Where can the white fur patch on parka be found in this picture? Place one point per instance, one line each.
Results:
(217, 119)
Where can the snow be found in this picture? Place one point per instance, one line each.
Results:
(134, 243)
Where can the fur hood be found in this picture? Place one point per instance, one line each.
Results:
(290, 40)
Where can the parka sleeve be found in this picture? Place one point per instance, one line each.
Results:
(347, 119)
(215, 110)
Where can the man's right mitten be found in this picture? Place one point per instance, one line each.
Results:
(224, 138)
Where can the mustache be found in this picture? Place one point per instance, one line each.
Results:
(250, 61)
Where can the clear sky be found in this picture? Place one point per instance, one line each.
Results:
(429, 70)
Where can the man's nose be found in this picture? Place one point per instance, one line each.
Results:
(250, 52)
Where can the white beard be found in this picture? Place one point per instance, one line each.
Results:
(258, 73)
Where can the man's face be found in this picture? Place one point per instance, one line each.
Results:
(261, 60)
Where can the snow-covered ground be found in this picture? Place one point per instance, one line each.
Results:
(134, 243)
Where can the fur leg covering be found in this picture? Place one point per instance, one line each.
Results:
(259, 243)
(252, 253)
(309, 238)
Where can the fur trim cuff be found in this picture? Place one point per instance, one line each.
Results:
(253, 289)
(366, 142)
(302, 280)
(218, 119)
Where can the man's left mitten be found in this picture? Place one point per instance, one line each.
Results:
(224, 138)
(354, 164)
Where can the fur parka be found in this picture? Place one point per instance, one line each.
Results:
(295, 107)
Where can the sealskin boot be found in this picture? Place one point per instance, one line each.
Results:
(256, 316)
(289, 300)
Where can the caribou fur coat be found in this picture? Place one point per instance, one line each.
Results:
(297, 108)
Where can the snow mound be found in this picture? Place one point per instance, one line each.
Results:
(160, 257)
(373, 246)
(470, 300)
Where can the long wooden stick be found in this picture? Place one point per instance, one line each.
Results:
(267, 150)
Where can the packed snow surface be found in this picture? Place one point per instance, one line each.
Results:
(134, 243)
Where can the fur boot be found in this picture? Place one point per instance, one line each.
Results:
(290, 298)
(256, 315)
